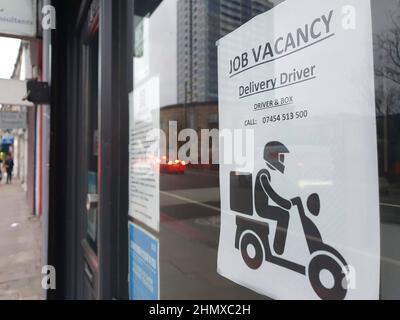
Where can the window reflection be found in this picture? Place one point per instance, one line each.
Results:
(175, 43)
(386, 22)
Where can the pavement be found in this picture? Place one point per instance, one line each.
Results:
(20, 246)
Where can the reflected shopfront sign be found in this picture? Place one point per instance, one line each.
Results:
(18, 18)
(12, 120)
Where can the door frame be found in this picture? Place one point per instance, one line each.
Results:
(66, 227)
(115, 83)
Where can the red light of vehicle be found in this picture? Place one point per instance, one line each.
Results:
(183, 163)
(177, 161)
(170, 163)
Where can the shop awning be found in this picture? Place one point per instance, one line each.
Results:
(12, 92)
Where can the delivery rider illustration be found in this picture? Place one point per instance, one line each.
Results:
(268, 203)
(252, 236)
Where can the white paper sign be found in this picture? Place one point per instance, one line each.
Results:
(18, 18)
(144, 174)
(301, 221)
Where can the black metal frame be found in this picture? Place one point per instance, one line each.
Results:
(67, 187)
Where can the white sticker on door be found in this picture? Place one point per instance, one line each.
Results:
(144, 173)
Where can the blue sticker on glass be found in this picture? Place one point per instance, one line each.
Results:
(144, 275)
(7, 139)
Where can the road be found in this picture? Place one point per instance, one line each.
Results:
(192, 179)
(192, 202)
(190, 224)
(190, 216)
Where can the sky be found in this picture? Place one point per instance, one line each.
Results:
(8, 54)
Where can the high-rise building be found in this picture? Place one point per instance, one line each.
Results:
(200, 24)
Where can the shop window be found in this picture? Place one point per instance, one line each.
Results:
(189, 197)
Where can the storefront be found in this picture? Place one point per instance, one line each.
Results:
(317, 85)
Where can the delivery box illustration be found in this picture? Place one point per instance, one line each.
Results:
(250, 199)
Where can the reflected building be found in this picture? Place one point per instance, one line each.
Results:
(200, 24)
(387, 81)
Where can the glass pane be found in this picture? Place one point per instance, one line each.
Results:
(386, 22)
(176, 91)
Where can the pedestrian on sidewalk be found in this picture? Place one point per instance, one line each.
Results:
(1, 165)
(9, 168)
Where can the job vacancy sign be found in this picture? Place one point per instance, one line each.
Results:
(300, 219)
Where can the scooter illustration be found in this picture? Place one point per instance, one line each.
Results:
(253, 242)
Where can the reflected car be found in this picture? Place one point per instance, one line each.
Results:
(173, 167)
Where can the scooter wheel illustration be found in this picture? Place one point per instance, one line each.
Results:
(316, 266)
(254, 259)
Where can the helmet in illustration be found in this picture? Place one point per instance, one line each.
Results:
(274, 155)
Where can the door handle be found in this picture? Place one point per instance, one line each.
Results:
(92, 201)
